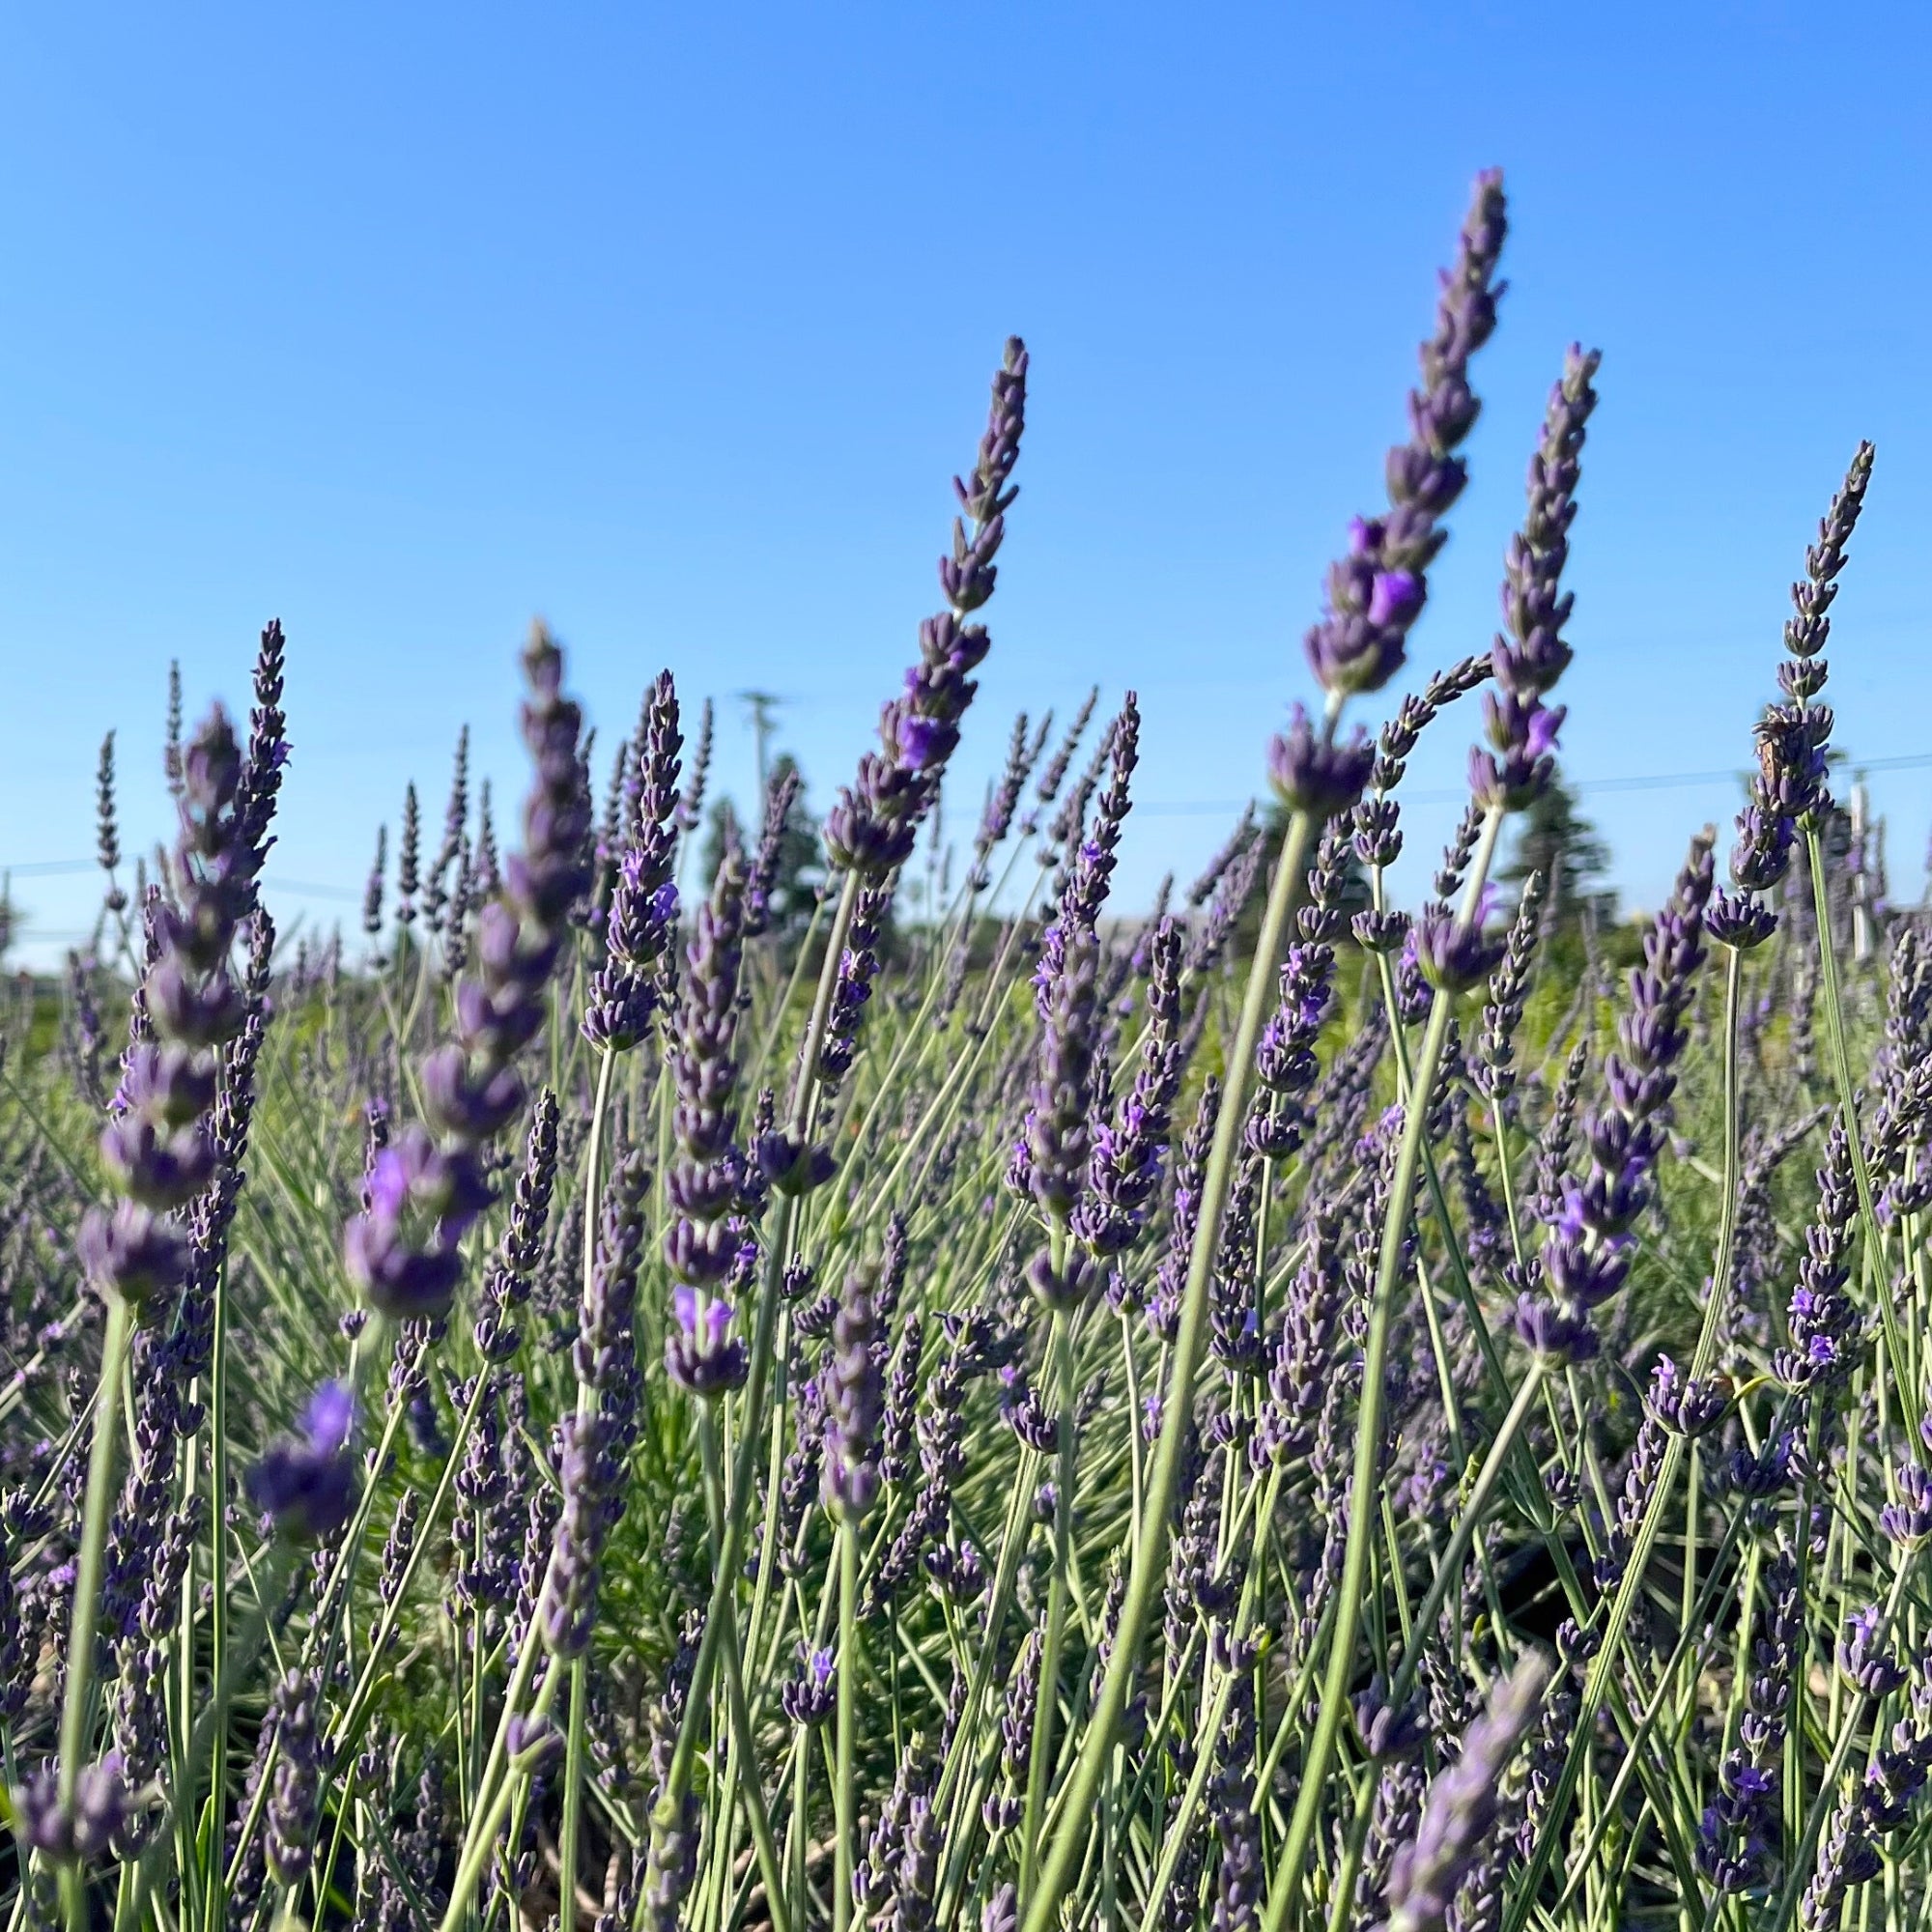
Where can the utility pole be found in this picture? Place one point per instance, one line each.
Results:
(1860, 878)
(763, 705)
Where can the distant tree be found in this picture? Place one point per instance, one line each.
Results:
(1553, 837)
(800, 867)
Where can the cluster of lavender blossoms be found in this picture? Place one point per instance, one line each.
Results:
(426, 1190)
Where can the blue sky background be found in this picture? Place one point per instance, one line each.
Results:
(403, 324)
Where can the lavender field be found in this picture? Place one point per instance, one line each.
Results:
(666, 1380)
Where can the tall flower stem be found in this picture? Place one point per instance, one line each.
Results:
(1727, 1217)
(217, 1606)
(845, 1781)
(494, 1794)
(1799, 1867)
(743, 1745)
(574, 1742)
(578, 1709)
(1448, 1573)
(1601, 1675)
(1144, 1577)
(99, 1507)
(744, 1473)
(1039, 1768)
(1333, 1700)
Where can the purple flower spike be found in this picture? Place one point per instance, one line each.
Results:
(1462, 1805)
(403, 1250)
(308, 1482)
(1377, 591)
(159, 1145)
(873, 827)
(854, 1399)
(1789, 787)
(1532, 655)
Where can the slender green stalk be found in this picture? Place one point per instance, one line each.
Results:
(742, 1743)
(845, 1784)
(98, 1511)
(215, 1906)
(1353, 1590)
(576, 1743)
(1068, 1843)
(1448, 1574)
(777, 1253)
(487, 1823)
(1727, 1213)
(1039, 1768)
(576, 1740)
(1799, 1867)
(1599, 1682)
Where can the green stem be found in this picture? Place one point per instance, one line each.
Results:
(487, 1822)
(730, 1552)
(1144, 1579)
(98, 1509)
(574, 1744)
(1448, 1574)
(1333, 1701)
(1814, 1823)
(1039, 1764)
(1727, 1221)
(845, 1784)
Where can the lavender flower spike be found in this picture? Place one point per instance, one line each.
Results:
(642, 918)
(854, 1399)
(157, 1145)
(1377, 591)
(403, 1249)
(1533, 656)
(1464, 1805)
(875, 826)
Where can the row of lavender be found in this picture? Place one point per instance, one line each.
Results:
(615, 1413)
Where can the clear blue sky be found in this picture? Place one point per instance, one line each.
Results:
(405, 322)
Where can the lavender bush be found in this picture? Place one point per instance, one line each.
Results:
(602, 1406)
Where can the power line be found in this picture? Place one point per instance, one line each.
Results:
(44, 869)
(1449, 795)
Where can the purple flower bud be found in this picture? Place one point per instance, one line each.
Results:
(1683, 1407)
(308, 1482)
(1455, 956)
(83, 1830)
(1739, 923)
(811, 1694)
(1908, 1521)
(1316, 775)
(701, 1355)
(1862, 1658)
